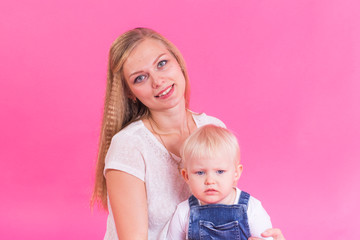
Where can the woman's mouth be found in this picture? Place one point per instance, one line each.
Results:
(166, 91)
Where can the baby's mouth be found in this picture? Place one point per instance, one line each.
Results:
(210, 190)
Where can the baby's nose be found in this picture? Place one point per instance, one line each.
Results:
(209, 180)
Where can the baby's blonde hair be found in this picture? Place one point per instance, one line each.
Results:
(210, 141)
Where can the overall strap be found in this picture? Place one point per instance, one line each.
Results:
(193, 201)
(244, 198)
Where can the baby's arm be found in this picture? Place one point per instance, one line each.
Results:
(259, 220)
(179, 222)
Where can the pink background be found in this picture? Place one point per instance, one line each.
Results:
(283, 75)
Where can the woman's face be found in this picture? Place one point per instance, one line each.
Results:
(154, 76)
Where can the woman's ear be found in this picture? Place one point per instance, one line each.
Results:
(132, 97)
(185, 174)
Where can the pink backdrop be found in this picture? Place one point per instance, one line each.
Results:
(284, 75)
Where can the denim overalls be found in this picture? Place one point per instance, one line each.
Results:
(219, 221)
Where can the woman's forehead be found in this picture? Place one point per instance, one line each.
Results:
(147, 48)
(144, 54)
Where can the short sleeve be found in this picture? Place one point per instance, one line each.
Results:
(259, 220)
(178, 223)
(203, 119)
(125, 154)
(216, 121)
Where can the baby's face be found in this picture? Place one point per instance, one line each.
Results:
(212, 180)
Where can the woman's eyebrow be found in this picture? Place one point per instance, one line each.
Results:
(156, 59)
(134, 73)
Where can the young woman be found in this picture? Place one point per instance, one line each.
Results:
(145, 122)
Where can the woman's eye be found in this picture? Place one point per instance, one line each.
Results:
(220, 171)
(162, 63)
(200, 173)
(139, 78)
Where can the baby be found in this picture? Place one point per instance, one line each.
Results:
(217, 209)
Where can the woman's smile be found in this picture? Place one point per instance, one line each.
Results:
(166, 93)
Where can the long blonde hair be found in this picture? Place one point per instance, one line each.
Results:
(119, 109)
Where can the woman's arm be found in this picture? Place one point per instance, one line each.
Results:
(272, 232)
(128, 202)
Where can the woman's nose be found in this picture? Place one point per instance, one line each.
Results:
(156, 80)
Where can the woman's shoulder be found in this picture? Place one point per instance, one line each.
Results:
(202, 119)
(133, 130)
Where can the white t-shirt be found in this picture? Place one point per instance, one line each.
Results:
(258, 219)
(135, 150)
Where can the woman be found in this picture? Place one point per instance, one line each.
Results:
(144, 125)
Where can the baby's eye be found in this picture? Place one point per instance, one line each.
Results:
(200, 173)
(220, 171)
(139, 78)
(162, 63)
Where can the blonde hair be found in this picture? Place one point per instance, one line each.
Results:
(210, 141)
(119, 109)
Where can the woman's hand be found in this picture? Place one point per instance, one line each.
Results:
(275, 233)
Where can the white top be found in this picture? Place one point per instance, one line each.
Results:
(135, 150)
(258, 219)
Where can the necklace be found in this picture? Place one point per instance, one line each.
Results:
(162, 141)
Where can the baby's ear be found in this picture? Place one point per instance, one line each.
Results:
(184, 174)
(238, 171)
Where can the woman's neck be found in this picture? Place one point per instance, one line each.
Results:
(171, 121)
(171, 127)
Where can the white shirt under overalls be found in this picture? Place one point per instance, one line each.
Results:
(258, 219)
